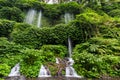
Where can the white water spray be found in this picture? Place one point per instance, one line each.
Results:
(51, 1)
(44, 72)
(68, 17)
(30, 16)
(70, 71)
(15, 71)
(39, 19)
(69, 47)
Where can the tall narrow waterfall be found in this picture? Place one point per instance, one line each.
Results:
(69, 47)
(30, 16)
(15, 71)
(39, 19)
(70, 71)
(68, 18)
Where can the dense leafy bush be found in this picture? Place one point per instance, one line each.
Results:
(114, 13)
(11, 13)
(30, 64)
(52, 13)
(10, 53)
(3, 3)
(95, 66)
(100, 46)
(9, 48)
(6, 27)
(71, 7)
(54, 50)
(106, 7)
(4, 70)
(25, 5)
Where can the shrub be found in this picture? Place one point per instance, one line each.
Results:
(30, 64)
(4, 70)
(3, 3)
(6, 27)
(10, 53)
(11, 13)
(52, 13)
(53, 51)
(114, 13)
(99, 46)
(94, 66)
(71, 7)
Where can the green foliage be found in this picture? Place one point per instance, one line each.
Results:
(10, 53)
(18, 27)
(3, 3)
(71, 7)
(114, 13)
(6, 27)
(53, 51)
(99, 46)
(31, 62)
(11, 13)
(52, 13)
(9, 48)
(4, 70)
(95, 57)
(110, 6)
(110, 32)
(25, 5)
(93, 66)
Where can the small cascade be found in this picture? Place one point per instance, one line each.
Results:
(44, 72)
(15, 70)
(30, 16)
(68, 17)
(39, 19)
(70, 71)
(57, 61)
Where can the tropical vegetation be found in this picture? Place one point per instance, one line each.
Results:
(94, 32)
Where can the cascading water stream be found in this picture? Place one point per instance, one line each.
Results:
(39, 19)
(44, 72)
(68, 17)
(69, 47)
(15, 70)
(30, 16)
(70, 71)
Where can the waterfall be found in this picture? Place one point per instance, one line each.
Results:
(57, 61)
(15, 71)
(44, 72)
(70, 71)
(33, 18)
(68, 17)
(69, 47)
(30, 16)
(51, 1)
(39, 19)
